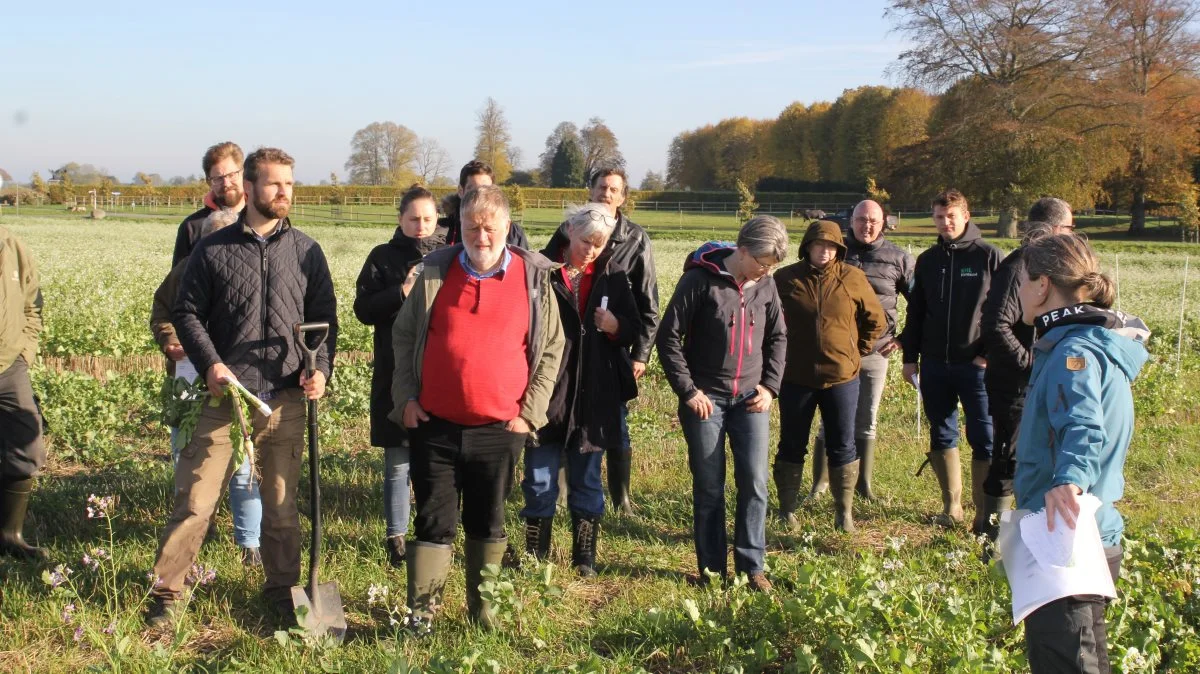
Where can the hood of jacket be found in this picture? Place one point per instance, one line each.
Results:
(969, 236)
(711, 258)
(423, 246)
(1119, 335)
(450, 204)
(824, 230)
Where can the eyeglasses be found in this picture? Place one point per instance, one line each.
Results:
(231, 176)
(601, 217)
(763, 268)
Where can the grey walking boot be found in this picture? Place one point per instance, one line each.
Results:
(481, 552)
(788, 477)
(842, 481)
(949, 475)
(866, 467)
(428, 566)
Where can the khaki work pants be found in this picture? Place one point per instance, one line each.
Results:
(204, 468)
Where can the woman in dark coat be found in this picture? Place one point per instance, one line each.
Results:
(382, 285)
(600, 320)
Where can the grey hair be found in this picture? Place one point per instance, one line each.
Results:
(589, 220)
(489, 199)
(218, 219)
(764, 235)
(1052, 211)
(1034, 230)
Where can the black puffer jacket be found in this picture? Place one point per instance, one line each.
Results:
(189, 231)
(596, 374)
(1009, 341)
(240, 299)
(377, 299)
(453, 225)
(889, 270)
(720, 338)
(950, 283)
(629, 247)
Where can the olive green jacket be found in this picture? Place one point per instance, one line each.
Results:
(21, 301)
(545, 338)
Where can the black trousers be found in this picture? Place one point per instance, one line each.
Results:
(475, 463)
(22, 453)
(1069, 635)
(1005, 408)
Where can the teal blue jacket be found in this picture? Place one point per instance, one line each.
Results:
(1078, 418)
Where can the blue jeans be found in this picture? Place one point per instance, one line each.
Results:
(797, 407)
(626, 443)
(748, 433)
(244, 501)
(395, 489)
(943, 385)
(585, 493)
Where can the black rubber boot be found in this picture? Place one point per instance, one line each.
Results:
(14, 501)
(619, 467)
(788, 477)
(585, 532)
(537, 536)
(395, 549)
(866, 467)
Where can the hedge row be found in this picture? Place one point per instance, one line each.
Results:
(354, 193)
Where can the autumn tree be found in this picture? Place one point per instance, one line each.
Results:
(653, 182)
(383, 153)
(37, 184)
(431, 160)
(600, 147)
(493, 139)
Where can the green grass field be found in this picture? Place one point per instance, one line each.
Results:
(898, 595)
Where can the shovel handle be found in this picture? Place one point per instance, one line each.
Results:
(303, 330)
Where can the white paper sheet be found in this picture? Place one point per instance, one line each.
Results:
(185, 370)
(1043, 566)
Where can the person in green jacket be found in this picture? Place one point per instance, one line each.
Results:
(22, 453)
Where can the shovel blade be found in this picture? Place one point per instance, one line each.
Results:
(329, 620)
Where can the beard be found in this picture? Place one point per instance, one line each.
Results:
(274, 210)
(229, 197)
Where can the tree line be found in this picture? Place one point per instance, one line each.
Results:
(1095, 101)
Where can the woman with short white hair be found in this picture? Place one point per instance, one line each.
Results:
(599, 316)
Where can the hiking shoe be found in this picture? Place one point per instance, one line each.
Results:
(161, 612)
(251, 558)
(759, 583)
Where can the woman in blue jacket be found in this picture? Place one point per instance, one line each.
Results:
(1075, 430)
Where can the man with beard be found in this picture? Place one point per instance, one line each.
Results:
(243, 290)
(223, 170)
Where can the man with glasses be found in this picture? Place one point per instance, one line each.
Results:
(889, 270)
(1009, 345)
(223, 171)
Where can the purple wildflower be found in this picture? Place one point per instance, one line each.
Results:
(78, 634)
(67, 613)
(98, 506)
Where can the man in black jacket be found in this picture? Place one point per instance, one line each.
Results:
(222, 164)
(633, 260)
(244, 289)
(942, 333)
(474, 174)
(1009, 344)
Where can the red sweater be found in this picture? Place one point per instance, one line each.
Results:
(476, 368)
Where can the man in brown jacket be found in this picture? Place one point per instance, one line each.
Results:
(833, 319)
(22, 453)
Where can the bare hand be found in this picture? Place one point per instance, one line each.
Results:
(700, 405)
(217, 376)
(889, 348)
(639, 369)
(910, 373)
(174, 352)
(518, 425)
(313, 388)
(980, 362)
(606, 321)
(414, 414)
(1062, 499)
(410, 280)
(761, 402)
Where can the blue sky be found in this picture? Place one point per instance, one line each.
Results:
(146, 87)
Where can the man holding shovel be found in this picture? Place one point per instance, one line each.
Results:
(244, 290)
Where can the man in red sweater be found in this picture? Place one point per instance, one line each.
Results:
(478, 345)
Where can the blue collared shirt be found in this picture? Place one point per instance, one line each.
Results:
(263, 239)
(465, 261)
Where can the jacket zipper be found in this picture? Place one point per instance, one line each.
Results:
(262, 249)
(949, 304)
(738, 342)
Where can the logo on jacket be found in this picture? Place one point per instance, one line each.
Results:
(968, 272)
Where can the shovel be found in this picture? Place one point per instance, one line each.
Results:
(319, 608)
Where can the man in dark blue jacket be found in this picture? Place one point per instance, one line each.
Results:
(942, 342)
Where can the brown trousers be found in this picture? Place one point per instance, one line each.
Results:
(204, 468)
